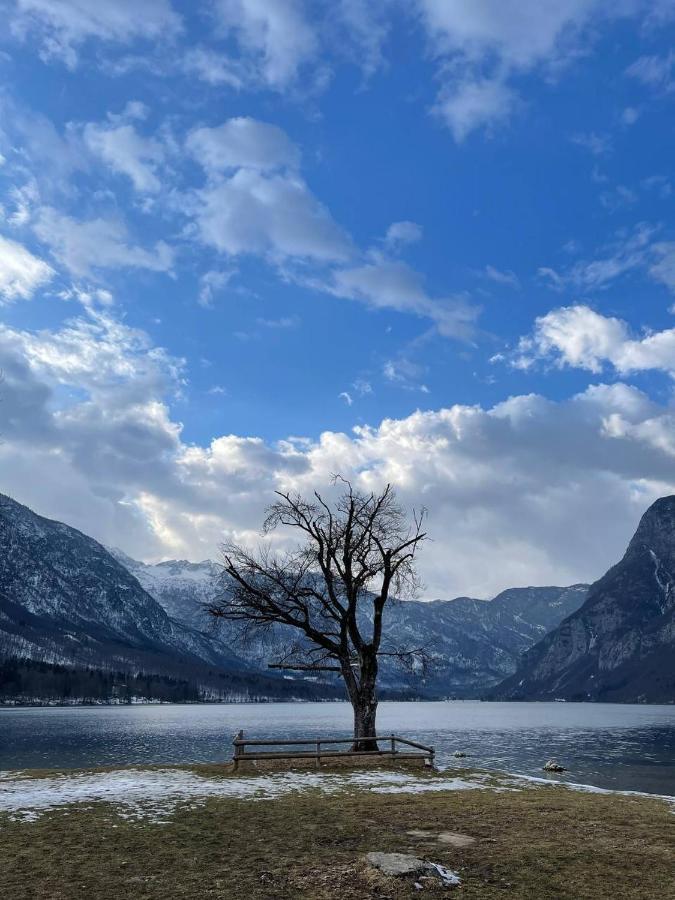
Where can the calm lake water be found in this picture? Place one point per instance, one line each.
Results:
(606, 745)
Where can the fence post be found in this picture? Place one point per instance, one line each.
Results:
(393, 746)
(239, 736)
(318, 754)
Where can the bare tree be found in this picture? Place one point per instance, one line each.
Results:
(355, 555)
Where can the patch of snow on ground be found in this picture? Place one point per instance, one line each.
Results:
(145, 793)
(155, 793)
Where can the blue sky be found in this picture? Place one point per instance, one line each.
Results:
(246, 244)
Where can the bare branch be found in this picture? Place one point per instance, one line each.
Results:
(354, 555)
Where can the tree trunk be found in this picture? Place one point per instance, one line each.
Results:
(363, 695)
(365, 712)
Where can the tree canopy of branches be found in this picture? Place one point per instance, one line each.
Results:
(354, 556)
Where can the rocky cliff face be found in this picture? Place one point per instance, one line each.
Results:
(64, 599)
(620, 645)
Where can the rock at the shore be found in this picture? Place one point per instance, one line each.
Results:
(554, 766)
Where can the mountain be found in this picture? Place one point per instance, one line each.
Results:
(66, 601)
(620, 645)
(473, 644)
(69, 605)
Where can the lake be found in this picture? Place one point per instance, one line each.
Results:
(606, 745)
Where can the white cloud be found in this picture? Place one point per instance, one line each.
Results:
(578, 336)
(506, 278)
(468, 105)
(596, 144)
(242, 143)
(100, 355)
(276, 37)
(406, 374)
(482, 46)
(268, 214)
(215, 68)
(628, 253)
(618, 197)
(347, 397)
(362, 30)
(83, 247)
(391, 284)
(405, 232)
(654, 71)
(663, 267)
(127, 152)
(630, 115)
(256, 202)
(505, 486)
(210, 284)
(21, 273)
(282, 323)
(634, 251)
(63, 25)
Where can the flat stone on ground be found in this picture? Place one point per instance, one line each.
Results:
(397, 864)
(454, 838)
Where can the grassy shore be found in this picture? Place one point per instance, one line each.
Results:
(530, 841)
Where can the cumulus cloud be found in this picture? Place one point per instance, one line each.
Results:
(385, 283)
(275, 214)
(578, 336)
(215, 68)
(482, 46)
(468, 105)
(21, 273)
(276, 37)
(506, 486)
(255, 200)
(401, 233)
(85, 246)
(62, 26)
(242, 143)
(280, 46)
(127, 152)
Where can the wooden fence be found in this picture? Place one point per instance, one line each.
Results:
(322, 748)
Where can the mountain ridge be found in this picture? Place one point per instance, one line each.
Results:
(66, 600)
(620, 644)
(473, 643)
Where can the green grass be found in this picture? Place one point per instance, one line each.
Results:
(538, 843)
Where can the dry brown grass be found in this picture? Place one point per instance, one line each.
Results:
(538, 843)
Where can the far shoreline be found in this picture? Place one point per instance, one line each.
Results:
(84, 704)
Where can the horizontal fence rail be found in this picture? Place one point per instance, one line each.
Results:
(392, 751)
